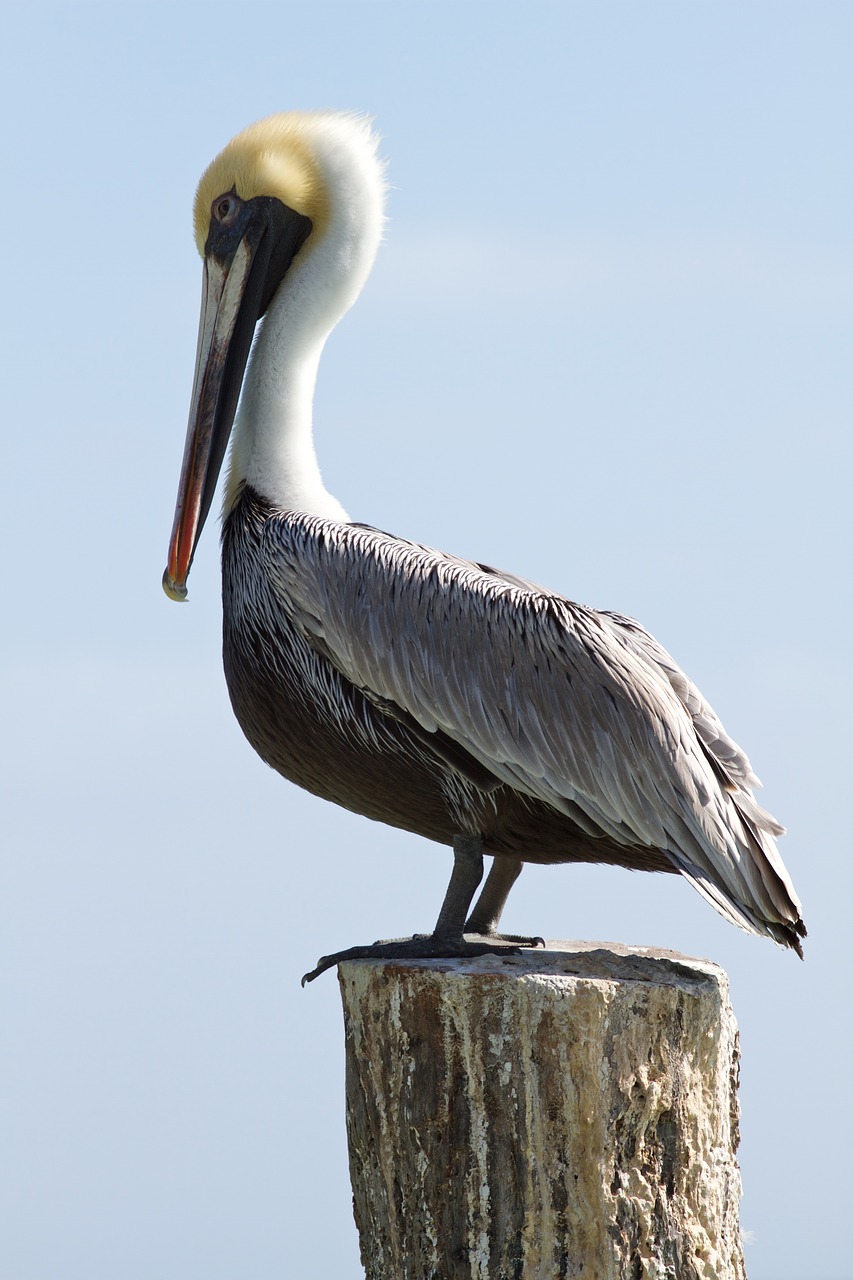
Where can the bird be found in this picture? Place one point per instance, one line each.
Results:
(428, 692)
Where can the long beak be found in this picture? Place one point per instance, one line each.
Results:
(230, 306)
(247, 255)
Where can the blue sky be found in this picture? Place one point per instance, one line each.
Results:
(606, 345)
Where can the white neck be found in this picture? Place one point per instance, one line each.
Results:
(273, 443)
(273, 446)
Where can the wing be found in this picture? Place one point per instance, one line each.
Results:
(580, 709)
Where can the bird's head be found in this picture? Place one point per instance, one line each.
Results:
(292, 206)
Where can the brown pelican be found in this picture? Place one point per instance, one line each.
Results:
(440, 696)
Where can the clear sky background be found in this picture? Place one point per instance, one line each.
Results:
(607, 346)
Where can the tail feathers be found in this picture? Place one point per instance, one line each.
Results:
(786, 932)
(770, 873)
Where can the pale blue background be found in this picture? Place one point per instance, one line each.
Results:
(607, 345)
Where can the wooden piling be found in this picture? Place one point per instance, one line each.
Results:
(567, 1112)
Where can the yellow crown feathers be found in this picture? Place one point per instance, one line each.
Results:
(272, 157)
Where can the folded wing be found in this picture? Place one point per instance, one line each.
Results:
(581, 709)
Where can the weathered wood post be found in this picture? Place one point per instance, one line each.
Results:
(567, 1112)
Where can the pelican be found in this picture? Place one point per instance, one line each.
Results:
(436, 695)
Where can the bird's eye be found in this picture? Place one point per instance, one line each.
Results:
(225, 208)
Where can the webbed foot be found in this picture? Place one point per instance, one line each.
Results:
(423, 946)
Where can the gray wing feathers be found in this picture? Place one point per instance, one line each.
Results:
(581, 709)
(728, 755)
(730, 762)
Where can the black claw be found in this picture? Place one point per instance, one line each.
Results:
(329, 962)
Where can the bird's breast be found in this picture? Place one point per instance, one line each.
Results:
(303, 717)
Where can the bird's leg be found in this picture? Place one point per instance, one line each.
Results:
(488, 908)
(464, 881)
(446, 939)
